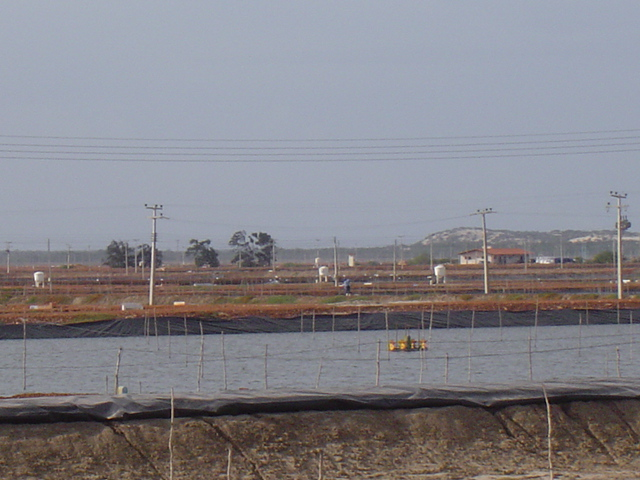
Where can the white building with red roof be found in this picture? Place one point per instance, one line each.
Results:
(497, 256)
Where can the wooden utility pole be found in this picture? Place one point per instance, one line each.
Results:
(485, 259)
(154, 239)
(621, 225)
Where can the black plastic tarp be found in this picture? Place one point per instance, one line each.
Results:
(123, 407)
(308, 322)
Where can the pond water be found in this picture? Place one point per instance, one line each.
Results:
(213, 363)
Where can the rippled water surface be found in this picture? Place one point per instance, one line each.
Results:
(308, 360)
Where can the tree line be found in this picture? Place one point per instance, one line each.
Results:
(250, 250)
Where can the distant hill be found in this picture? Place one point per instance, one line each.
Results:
(574, 243)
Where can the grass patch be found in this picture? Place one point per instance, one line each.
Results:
(334, 299)
(281, 299)
(587, 296)
(550, 296)
(6, 297)
(89, 299)
(414, 297)
(90, 317)
(44, 299)
(514, 297)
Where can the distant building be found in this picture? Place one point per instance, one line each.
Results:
(497, 256)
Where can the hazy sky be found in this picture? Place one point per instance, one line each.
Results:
(366, 120)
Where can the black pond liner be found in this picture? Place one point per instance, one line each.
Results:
(129, 327)
(139, 407)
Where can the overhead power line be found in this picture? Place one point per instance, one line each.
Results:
(95, 149)
(365, 139)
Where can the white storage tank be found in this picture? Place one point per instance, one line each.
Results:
(323, 274)
(38, 278)
(440, 272)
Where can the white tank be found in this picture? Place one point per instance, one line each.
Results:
(323, 274)
(441, 273)
(38, 278)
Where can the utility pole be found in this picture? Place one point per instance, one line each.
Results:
(335, 261)
(485, 260)
(154, 239)
(395, 246)
(559, 235)
(621, 225)
(126, 258)
(431, 254)
(8, 257)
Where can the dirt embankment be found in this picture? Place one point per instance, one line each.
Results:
(590, 440)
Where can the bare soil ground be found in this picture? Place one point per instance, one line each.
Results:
(84, 293)
(589, 440)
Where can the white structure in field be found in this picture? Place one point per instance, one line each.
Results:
(323, 274)
(497, 256)
(38, 279)
(440, 272)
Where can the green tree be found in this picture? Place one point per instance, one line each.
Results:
(118, 251)
(145, 256)
(604, 257)
(202, 253)
(252, 250)
(421, 259)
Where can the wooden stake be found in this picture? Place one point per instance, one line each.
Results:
(580, 335)
(631, 336)
(421, 365)
(266, 357)
(155, 328)
(320, 462)
(358, 329)
(587, 313)
(378, 365)
(224, 362)
(386, 324)
(473, 321)
(333, 328)
(117, 376)
(430, 325)
(24, 355)
(319, 373)
(201, 363)
(549, 432)
(535, 324)
(171, 436)
(186, 342)
(229, 463)
(530, 359)
(446, 368)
